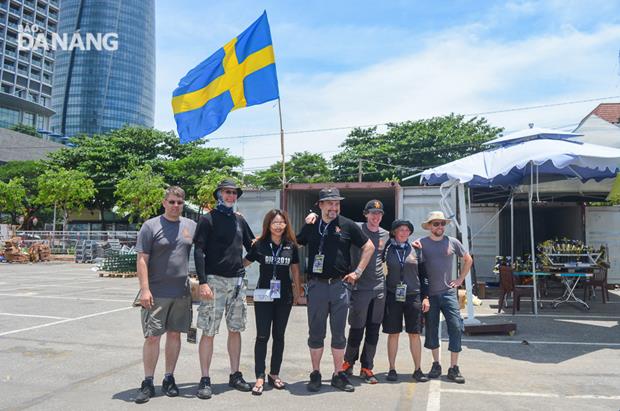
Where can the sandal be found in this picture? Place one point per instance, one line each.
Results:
(276, 383)
(258, 389)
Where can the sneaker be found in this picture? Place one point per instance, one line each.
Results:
(419, 376)
(341, 381)
(204, 389)
(455, 375)
(169, 387)
(435, 371)
(315, 381)
(348, 368)
(368, 376)
(236, 381)
(392, 375)
(146, 391)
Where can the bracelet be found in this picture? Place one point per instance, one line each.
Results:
(358, 271)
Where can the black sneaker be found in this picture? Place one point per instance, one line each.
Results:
(204, 389)
(455, 375)
(419, 376)
(146, 391)
(392, 375)
(315, 381)
(435, 370)
(236, 381)
(169, 387)
(341, 381)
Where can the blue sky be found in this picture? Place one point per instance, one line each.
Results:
(350, 63)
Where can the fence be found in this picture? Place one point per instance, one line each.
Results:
(64, 242)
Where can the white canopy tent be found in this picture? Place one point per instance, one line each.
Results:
(521, 156)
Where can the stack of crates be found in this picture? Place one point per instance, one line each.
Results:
(120, 263)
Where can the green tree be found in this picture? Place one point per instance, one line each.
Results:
(188, 171)
(303, 167)
(12, 195)
(408, 147)
(29, 171)
(25, 129)
(140, 193)
(108, 158)
(208, 184)
(66, 189)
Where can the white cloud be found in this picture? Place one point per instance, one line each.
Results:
(460, 70)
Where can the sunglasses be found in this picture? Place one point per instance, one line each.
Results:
(230, 192)
(172, 202)
(439, 223)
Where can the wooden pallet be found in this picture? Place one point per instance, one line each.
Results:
(117, 275)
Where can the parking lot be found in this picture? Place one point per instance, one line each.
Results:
(70, 340)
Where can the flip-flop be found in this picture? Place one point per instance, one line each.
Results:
(276, 383)
(258, 389)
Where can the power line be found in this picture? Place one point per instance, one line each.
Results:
(506, 110)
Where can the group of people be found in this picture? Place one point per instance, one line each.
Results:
(358, 271)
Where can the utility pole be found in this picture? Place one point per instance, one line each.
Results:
(359, 171)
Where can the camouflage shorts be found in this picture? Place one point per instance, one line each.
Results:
(210, 312)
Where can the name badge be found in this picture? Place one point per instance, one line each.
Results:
(401, 293)
(275, 289)
(262, 295)
(317, 266)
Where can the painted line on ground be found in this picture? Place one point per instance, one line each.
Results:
(530, 394)
(612, 317)
(64, 321)
(434, 395)
(530, 342)
(53, 297)
(35, 316)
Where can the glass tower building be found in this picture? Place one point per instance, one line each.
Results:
(99, 90)
(26, 73)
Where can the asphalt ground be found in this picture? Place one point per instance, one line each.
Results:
(69, 340)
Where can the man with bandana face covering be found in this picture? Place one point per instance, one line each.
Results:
(220, 238)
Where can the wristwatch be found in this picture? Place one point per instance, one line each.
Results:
(358, 272)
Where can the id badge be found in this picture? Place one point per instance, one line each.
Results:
(262, 295)
(317, 266)
(275, 289)
(401, 292)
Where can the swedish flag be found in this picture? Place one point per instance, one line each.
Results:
(240, 74)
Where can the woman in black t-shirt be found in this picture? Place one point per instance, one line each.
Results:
(277, 253)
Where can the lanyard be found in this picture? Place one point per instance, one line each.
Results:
(275, 255)
(323, 232)
(401, 259)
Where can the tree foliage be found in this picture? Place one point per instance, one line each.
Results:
(408, 147)
(12, 194)
(303, 167)
(139, 194)
(66, 189)
(109, 158)
(25, 129)
(28, 171)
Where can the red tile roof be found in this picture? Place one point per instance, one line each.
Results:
(609, 112)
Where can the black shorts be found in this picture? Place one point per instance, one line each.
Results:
(410, 310)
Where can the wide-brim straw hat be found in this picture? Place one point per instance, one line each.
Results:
(432, 216)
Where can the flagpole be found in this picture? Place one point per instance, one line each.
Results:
(282, 146)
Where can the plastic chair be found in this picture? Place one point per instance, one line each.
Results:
(598, 279)
(507, 285)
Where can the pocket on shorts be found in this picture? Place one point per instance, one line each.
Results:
(205, 315)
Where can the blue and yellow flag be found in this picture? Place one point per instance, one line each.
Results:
(240, 74)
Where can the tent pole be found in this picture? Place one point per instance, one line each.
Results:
(471, 319)
(512, 227)
(533, 246)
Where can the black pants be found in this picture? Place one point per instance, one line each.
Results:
(271, 319)
(366, 314)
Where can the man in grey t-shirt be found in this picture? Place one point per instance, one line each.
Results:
(164, 243)
(438, 251)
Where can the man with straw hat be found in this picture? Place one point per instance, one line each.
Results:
(438, 252)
